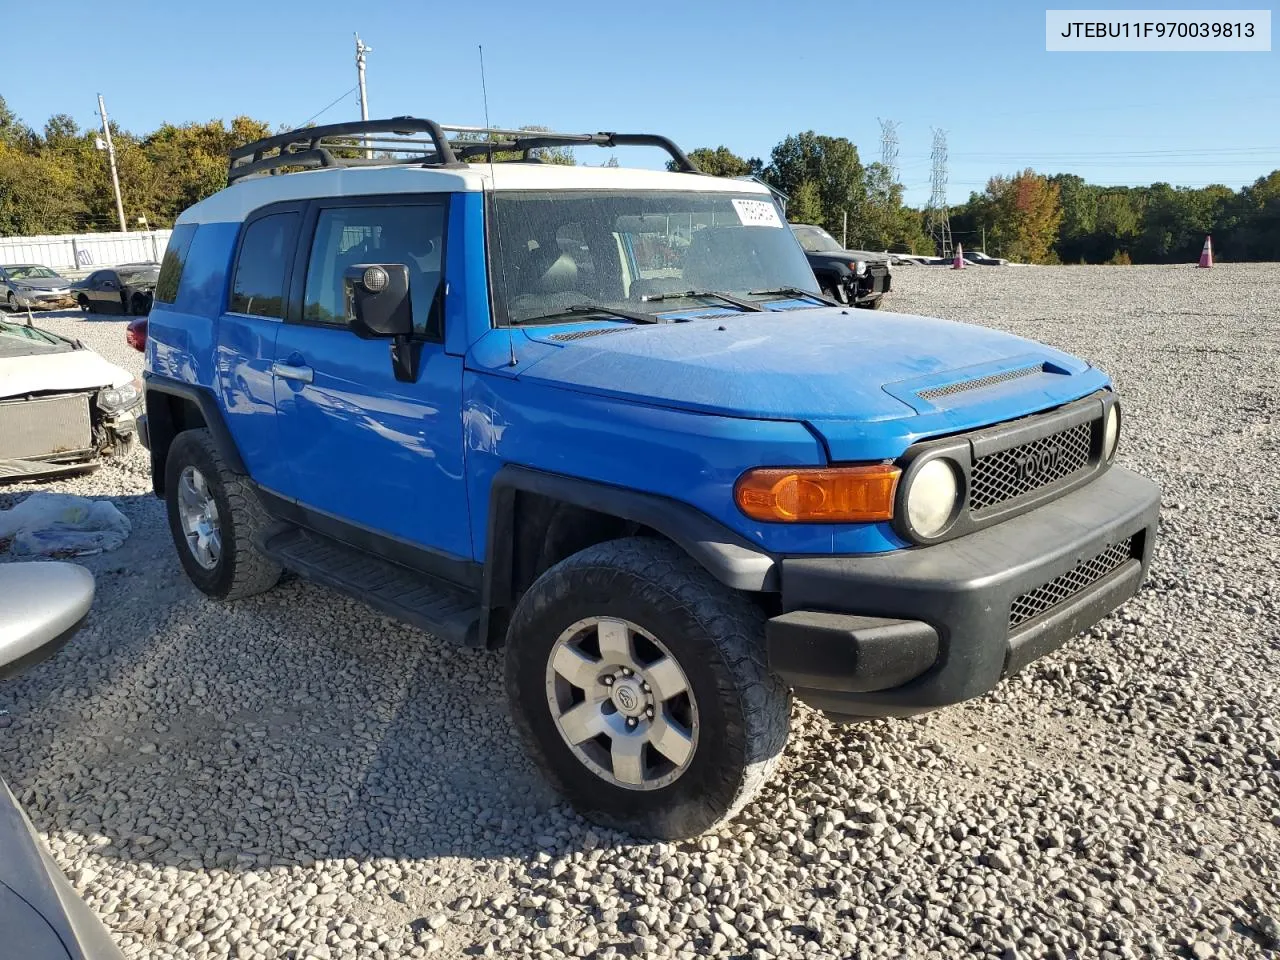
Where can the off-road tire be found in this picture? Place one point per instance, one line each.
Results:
(715, 634)
(241, 570)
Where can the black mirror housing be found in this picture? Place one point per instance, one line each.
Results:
(378, 300)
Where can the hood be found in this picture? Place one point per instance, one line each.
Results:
(43, 283)
(852, 374)
(59, 372)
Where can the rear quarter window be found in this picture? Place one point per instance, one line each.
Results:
(175, 258)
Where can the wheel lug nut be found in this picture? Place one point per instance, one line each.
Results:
(608, 681)
(646, 688)
(626, 671)
(649, 713)
(631, 721)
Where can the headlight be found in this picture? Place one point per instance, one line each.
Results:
(931, 498)
(1111, 432)
(859, 267)
(115, 399)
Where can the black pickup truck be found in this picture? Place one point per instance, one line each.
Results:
(858, 277)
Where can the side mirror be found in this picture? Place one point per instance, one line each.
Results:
(44, 604)
(378, 300)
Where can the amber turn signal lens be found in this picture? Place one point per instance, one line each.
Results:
(828, 495)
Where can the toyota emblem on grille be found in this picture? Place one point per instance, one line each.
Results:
(1036, 463)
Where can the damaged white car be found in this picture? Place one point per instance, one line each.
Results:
(62, 406)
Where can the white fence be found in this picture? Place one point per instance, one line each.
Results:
(82, 252)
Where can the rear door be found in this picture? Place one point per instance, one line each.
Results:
(247, 329)
(362, 447)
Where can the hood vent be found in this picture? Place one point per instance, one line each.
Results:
(934, 393)
(583, 334)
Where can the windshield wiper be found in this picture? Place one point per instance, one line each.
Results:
(587, 309)
(707, 294)
(795, 292)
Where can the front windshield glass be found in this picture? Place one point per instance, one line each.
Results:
(815, 239)
(30, 272)
(552, 251)
(20, 340)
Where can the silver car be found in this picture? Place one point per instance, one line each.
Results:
(34, 286)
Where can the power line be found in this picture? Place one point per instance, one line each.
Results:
(326, 109)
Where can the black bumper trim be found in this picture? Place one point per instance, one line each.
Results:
(844, 652)
(964, 588)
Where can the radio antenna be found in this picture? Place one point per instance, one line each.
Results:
(484, 95)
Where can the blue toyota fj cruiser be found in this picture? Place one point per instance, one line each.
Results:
(604, 418)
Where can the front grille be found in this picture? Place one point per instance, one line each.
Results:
(1000, 477)
(46, 428)
(583, 334)
(1084, 574)
(933, 393)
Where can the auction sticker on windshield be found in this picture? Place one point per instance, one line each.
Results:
(756, 213)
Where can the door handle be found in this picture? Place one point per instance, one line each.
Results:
(286, 372)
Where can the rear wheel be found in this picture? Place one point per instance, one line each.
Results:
(11, 303)
(638, 683)
(215, 517)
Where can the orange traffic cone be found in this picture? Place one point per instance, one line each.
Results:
(958, 262)
(1206, 255)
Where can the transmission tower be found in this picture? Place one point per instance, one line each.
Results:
(938, 223)
(889, 147)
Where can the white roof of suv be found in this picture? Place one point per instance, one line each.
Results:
(236, 202)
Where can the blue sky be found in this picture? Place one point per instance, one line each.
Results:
(704, 73)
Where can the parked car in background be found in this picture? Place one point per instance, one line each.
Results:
(983, 259)
(62, 406)
(33, 286)
(858, 277)
(41, 916)
(127, 288)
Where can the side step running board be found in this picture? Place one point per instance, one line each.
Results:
(436, 606)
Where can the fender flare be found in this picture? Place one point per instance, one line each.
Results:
(726, 555)
(159, 423)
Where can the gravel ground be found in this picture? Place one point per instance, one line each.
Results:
(297, 776)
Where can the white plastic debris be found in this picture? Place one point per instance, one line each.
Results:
(59, 524)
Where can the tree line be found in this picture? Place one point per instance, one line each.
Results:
(55, 180)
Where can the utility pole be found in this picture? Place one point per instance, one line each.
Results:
(938, 223)
(111, 158)
(361, 50)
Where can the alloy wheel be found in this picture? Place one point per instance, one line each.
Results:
(198, 512)
(622, 703)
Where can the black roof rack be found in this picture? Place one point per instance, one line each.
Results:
(353, 144)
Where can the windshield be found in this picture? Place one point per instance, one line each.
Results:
(20, 340)
(815, 239)
(634, 251)
(145, 275)
(30, 271)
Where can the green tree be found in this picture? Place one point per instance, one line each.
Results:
(805, 205)
(1025, 211)
(831, 165)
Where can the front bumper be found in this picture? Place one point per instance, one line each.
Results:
(45, 301)
(906, 632)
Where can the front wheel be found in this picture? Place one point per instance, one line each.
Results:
(639, 684)
(83, 303)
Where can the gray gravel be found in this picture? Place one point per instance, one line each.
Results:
(297, 776)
